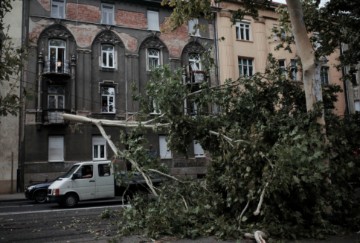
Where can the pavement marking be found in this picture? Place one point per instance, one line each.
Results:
(64, 209)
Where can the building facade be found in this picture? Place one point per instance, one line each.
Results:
(84, 56)
(9, 125)
(248, 42)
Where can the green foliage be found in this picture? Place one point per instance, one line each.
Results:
(261, 142)
(10, 66)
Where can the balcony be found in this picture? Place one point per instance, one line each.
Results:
(56, 68)
(195, 77)
(54, 116)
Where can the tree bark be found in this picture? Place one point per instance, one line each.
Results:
(312, 85)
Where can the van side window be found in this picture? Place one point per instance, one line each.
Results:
(104, 169)
(87, 171)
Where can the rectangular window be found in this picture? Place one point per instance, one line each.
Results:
(195, 61)
(198, 150)
(293, 69)
(165, 152)
(56, 149)
(153, 58)
(153, 20)
(357, 105)
(282, 67)
(99, 148)
(58, 9)
(107, 56)
(104, 169)
(57, 50)
(56, 97)
(108, 99)
(155, 109)
(324, 75)
(193, 26)
(107, 14)
(243, 31)
(246, 67)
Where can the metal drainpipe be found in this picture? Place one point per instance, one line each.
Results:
(217, 70)
(346, 91)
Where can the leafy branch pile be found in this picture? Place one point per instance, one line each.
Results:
(272, 168)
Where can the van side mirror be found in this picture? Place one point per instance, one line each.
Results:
(75, 176)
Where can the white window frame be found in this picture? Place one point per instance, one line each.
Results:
(195, 61)
(58, 47)
(357, 105)
(150, 55)
(243, 30)
(58, 96)
(56, 148)
(282, 66)
(153, 20)
(107, 14)
(99, 148)
(293, 69)
(246, 66)
(109, 99)
(193, 26)
(165, 152)
(155, 107)
(324, 75)
(198, 150)
(58, 9)
(108, 54)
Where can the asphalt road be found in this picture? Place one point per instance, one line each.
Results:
(23, 221)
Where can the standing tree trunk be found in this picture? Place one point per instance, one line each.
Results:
(312, 85)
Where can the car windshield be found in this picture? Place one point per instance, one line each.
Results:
(70, 172)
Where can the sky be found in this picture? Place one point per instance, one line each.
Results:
(283, 1)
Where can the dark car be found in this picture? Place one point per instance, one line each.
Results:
(38, 192)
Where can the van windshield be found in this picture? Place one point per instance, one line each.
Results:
(70, 172)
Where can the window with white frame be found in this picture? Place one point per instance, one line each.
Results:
(56, 97)
(99, 148)
(293, 69)
(324, 75)
(195, 61)
(107, 14)
(57, 50)
(282, 67)
(107, 56)
(165, 152)
(56, 148)
(107, 99)
(357, 105)
(243, 31)
(155, 109)
(153, 20)
(153, 58)
(198, 150)
(193, 26)
(58, 9)
(245, 67)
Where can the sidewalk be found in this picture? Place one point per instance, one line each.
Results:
(12, 197)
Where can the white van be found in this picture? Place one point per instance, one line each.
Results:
(84, 181)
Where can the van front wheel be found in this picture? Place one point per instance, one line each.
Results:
(70, 200)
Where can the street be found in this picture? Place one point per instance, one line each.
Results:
(25, 221)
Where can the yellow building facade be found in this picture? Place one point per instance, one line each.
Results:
(245, 46)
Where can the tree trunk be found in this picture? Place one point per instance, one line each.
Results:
(312, 85)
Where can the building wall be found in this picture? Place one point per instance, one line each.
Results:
(83, 34)
(9, 125)
(261, 44)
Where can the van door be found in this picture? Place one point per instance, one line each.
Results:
(105, 187)
(85, 184)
